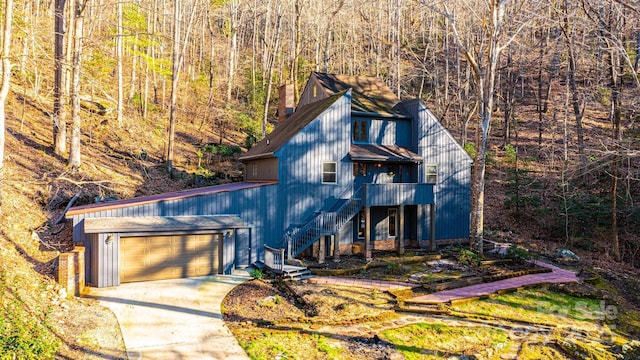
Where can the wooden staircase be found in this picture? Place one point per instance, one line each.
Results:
(274, 263)
(322, 223)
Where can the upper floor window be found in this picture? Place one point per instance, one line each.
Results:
(329, 172)
(360, 131)
(431, 174)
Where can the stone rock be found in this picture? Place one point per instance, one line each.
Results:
(565, 255)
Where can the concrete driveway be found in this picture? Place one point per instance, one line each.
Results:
(174, 319)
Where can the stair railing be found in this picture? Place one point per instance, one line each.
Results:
(299, 238)
(274, 258)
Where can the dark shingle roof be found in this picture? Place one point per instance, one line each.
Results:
(372, 152)
(369, 94)
(284, 132)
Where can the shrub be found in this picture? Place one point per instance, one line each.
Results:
(468, 257)
(256, 273)
(517, 254)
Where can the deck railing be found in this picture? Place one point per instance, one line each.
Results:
(274, 258)
(393, 194)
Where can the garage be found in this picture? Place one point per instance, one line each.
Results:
(130, 249)
(144, 258)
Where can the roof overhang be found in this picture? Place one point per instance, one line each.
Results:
(383, 153)
(158, 198)
(268, 155)
(161, 223)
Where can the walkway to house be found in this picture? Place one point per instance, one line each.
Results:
(557, 275)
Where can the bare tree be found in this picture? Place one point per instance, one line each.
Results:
(176, 59)
(492, 37)
(567, 29)
(6, 80)
(74, 159)
(119, 56)
(59, 87)
(272, 55)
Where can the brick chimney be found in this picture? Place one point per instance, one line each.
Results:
(286, 102)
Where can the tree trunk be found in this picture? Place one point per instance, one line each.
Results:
(273, 53)
(59, 86)
(575, 99)
(74, 152)
(615, 116)
(175, 59)
(637, 62)
(119, 55)
(6, 81)
(233, 46)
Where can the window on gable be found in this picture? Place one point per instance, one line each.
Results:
(329, 172)
(431, 174)
(360, 131)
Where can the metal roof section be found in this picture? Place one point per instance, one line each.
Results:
(118, 204)
(383, 153)
(158, 223)
(370, 95)
(266, 147)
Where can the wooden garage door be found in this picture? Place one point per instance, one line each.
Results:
(168, 256)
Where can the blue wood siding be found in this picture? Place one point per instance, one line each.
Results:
(397, 194)
(253, 205)
(453, 191)
(386, 131)
(104, 259)
(325, 139)
(390, 132)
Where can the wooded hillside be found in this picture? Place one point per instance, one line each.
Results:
(544, 92)
(106, 97)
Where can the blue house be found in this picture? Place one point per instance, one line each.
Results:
(351, 170)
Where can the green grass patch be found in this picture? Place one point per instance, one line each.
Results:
(435, 341)
(289, 345)
(539, 307)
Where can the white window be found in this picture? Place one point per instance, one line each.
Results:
(254, 170)
(431, 174)
(329, 172)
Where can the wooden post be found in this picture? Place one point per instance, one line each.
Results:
(336, 248)
(432, 235)
(419, 219)
(66, 267)
(78, 252)
(400, 247)
(322, 250)
(367, 233)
